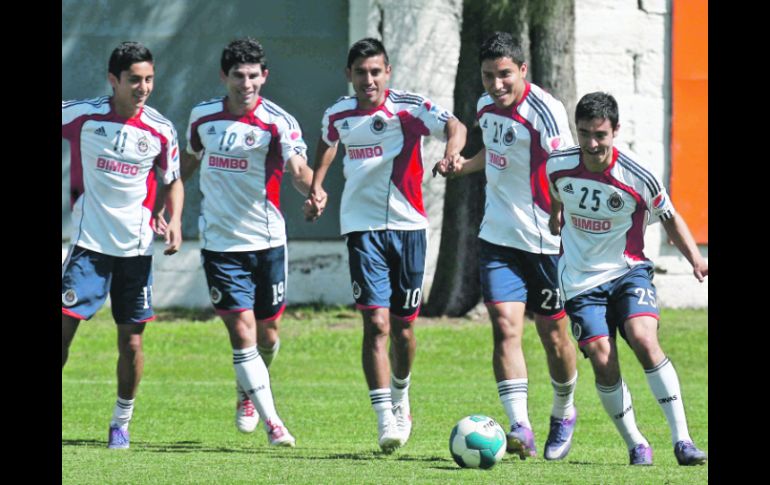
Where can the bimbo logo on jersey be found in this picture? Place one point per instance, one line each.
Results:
(115, 166)
(496, 160)
(218, 162)
(587, 224)
(364, 152)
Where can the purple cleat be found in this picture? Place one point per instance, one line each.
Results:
(640, 455)
(688, 454)
(559, 439)
(119, 439)
(521, 441)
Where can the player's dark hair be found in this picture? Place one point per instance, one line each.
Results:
(368, 47)
(125, 54)
(598, 106)
(501, 44)
(243, 51)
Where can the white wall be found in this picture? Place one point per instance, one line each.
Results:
(623, 47)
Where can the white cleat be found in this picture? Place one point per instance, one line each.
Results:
(403, 420)
(278, 435)
(246, 416)
(390, 437)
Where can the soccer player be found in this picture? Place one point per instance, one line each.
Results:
(245, 142)
(608, 198)
(119, 148)
(521, 124)
(383, 218)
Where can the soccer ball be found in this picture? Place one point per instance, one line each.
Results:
(477, 441)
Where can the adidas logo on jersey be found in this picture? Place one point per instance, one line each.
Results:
(212, 131)
(345, 125)
(100, 131)
(568, 189)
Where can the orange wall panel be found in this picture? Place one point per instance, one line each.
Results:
(689, 117)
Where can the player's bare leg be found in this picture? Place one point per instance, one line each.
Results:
(376, 364)
(511, 374)
(642, 334)
(561, 357)
(251, 373)
(616, 397)
(402, 350)
(129, 370)
(69, 325)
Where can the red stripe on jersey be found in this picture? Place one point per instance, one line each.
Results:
(152, 190)
(635, 235)
(274, 172)
(71, 132)
(407, 166)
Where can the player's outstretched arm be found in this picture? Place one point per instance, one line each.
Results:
(680, 235)
(189, 164)
(301, 174)
(461, 166)
(174, 203)
(317, 197)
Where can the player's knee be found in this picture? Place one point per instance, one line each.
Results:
(376, 325)
(130, 346)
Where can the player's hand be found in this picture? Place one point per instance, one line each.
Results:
(158, 223)
(554, 224)
(315, 204)
(449, 165)
(700, 269)
(173, 234)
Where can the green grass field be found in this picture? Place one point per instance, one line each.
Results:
(183, 430)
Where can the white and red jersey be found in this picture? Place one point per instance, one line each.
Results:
(114, 163)
(604, 217)
(383, 159)
(242, 164)
(518, 141)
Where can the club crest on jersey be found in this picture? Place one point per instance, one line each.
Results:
(615, 202)
(377, 126)
(496, 160)
(216, 295)
(356, 290)
(509, 138)
(250, 139)
(69, 297)
(142, 145)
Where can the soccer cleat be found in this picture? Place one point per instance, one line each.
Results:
(640, 455)
(688, 454)
(559, 439)
(403, 420)
(246, 417)
(118, 439)
(390, 437)
(521, 441)
(278, 435)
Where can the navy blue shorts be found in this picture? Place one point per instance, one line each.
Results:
(386, 269)
(247, 280)
(602, 311)
(510, 274)
(87, 277)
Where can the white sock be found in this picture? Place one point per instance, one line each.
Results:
(269, 353)
(253, 377)
(617, 402)
(399, 388)
(382, 405)
(513, 396)
(121, 415)
(564, 398)
(664, 384)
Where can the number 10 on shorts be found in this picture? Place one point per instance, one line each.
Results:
(412, 298)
